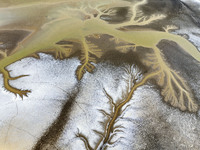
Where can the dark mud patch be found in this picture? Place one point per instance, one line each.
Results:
(50, 137)
(170, 7)
(117, 58)
(153, 131)
(9, 39)
(183, 63)
(120, 16)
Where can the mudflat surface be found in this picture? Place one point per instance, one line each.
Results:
(99, 75)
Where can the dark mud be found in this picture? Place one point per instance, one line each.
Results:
(183, 63)
(11, 38)
(117, 58)
(155, 132)
(52, 134)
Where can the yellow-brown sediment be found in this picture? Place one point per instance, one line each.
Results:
(118, 108)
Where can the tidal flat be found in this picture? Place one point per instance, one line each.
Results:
(99, 75)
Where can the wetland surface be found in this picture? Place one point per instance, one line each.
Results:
(99, 75)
